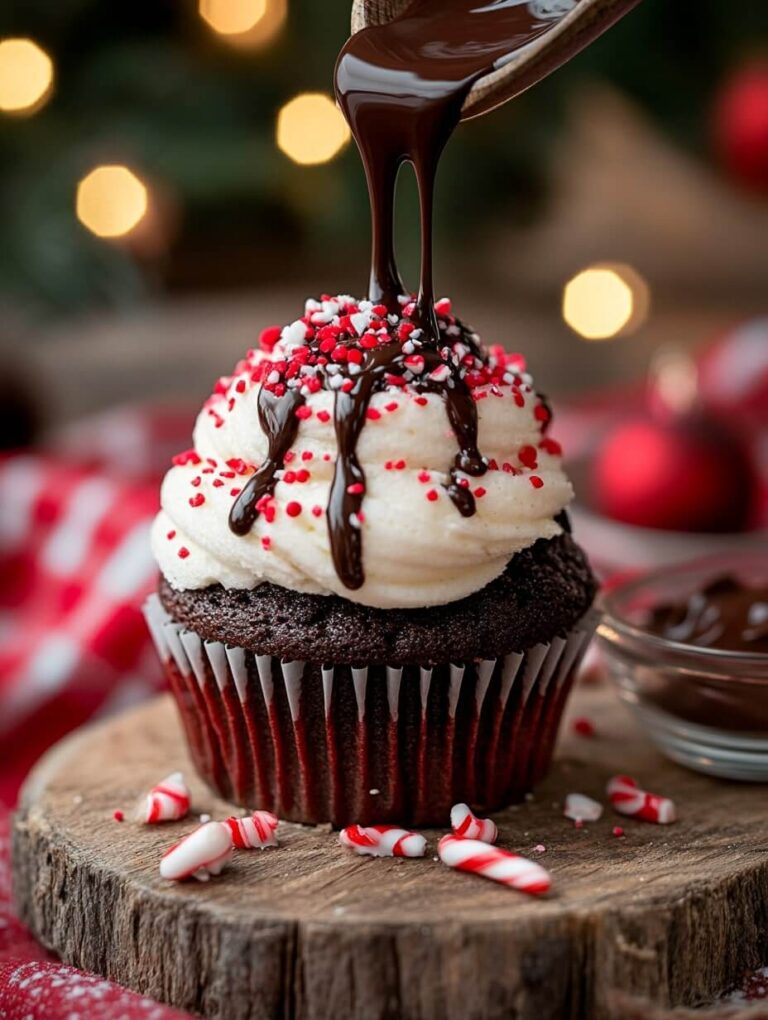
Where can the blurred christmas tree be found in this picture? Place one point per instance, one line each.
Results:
(187, 95)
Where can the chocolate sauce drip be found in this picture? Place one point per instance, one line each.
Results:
(726, 614)
(402, 86)
(277, 417)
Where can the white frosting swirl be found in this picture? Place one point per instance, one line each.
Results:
(417, 548)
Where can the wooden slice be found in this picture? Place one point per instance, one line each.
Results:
(674, 914)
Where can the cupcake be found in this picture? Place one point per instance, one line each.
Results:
(371, 606)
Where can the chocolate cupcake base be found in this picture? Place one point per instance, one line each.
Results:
(315, 742)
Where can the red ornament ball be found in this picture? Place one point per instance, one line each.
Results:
(740, 125)
(686, 474)
(733, 374)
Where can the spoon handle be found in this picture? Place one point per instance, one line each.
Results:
(578, 28)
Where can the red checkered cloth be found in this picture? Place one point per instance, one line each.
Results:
(75, 565)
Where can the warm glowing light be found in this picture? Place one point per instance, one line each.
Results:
(311, 129)
(26, 76)
(247, 23)
(605, 301)
(111, 201)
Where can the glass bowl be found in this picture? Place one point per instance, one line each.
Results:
(705, 708)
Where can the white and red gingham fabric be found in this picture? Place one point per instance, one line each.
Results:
(74, 567)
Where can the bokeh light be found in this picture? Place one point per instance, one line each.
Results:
(604, 301)
(245, 23)
(311, 129)
(26, 76)
(111, 201)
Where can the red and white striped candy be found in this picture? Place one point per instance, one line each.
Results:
(256, 831)
(166, 802)
(383, 841)
(466, 824)
(199, 855)
(492, 862)
(628, 799)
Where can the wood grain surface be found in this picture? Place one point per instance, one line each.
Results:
(672, 914)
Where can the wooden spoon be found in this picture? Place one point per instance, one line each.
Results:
(580, 26)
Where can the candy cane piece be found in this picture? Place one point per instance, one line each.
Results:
(166, 802)
(256, 831)
(628, 798)
(466, 824)
(580, 808)
(199, 855)
(492, 862)
(382, 841)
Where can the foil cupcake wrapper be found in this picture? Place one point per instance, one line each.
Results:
(316, 742)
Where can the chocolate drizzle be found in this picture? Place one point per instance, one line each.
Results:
(402, 86)
(277, 417)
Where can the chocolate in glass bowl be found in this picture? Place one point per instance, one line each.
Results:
(688, 649)
(726, 614)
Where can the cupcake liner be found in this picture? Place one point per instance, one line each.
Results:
(315, 742)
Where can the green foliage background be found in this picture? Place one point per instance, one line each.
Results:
(147, 83)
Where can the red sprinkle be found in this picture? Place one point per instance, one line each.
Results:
(118, 815)
(355, 488)
(269, 337)
(421, 401)
(235, 492)
(535, 481)
(425, 476)
(372, 414)
(303, 412)
(290, 455)
(196, 481)
(217, 483)
(183, 553)
(317, 511)
(541, 413)
(399, 465)
(617, 831)
(480, 492)
(266, 542)
(302, 475)
(197, 500)
(187, 457)
(432, 495)
(527, 455)
(293, 509)
(583, 726)
(171, 535)
(392, 406)
(323, 416)
(551, 446)
(307, 455)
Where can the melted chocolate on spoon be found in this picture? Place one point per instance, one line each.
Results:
(401, 86)
(726, 614)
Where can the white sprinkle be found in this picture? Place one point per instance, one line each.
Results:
(205, 818)
(294, 335)
(453, 331)
(374, 792)
(274, 377)
(539, 848)
(580, 808)
(416, 334)
(336, 381)
(360, 321)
